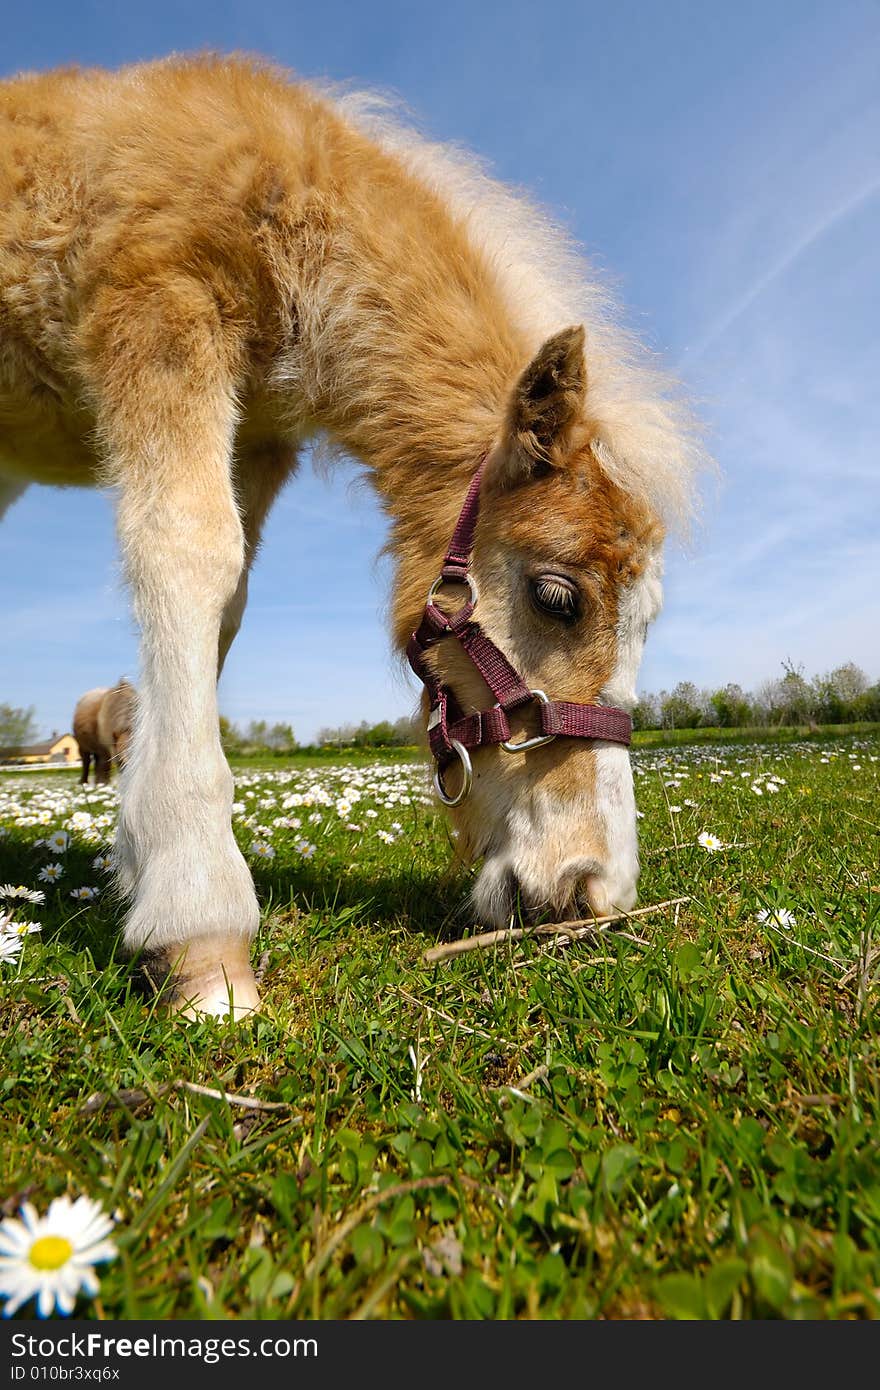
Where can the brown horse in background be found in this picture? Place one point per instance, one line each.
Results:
(103, 720)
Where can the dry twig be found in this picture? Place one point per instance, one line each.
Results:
(694, 844)
(586, 926)
(131, 1099)
(521, 1089)
(810, 950)
(862, 967)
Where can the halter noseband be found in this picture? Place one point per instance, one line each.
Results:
(450, 740)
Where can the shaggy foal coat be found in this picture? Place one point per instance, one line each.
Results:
(202, 264)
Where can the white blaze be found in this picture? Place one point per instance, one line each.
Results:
(615, 801)
(544, 852)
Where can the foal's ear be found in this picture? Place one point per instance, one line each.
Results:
(545, 403)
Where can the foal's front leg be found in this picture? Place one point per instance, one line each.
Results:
(193, 907)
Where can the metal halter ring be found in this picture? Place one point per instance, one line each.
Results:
(539, 740)
(467, 776)
(465, 579)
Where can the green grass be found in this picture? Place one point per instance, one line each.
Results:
(683, 1125)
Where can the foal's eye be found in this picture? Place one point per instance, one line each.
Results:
(555, 595)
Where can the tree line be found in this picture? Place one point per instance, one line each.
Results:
(402, 733)
(18, 727)
(841, 696)
(259, 737)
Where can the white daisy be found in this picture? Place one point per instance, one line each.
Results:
(261, 850)
(776, 917)
(50, 873)
(84, 894)
(9, 927)
(10, 946)
(58, 842)
(709, 842)
(18, 890)
(51, 1257)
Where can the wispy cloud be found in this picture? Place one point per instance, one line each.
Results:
(60, 618)
(804, 243)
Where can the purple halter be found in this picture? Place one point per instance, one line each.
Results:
(450, 740)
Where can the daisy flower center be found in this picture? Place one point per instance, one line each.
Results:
(50, 1252)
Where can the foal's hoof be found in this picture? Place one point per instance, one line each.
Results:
(207, 977)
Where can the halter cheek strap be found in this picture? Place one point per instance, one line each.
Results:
(451, 733)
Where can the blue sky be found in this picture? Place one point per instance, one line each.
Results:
(720, 164)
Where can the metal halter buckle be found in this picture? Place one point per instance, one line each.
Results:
(464, 579)
(539, 740)
(467, 776)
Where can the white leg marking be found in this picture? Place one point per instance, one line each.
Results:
(191, 889)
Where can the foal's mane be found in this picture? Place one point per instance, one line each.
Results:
(647, 439)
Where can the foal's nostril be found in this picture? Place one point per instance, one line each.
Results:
(581, 889)
(584, 908)
(514, 904)
(594, 893)
(522, 906)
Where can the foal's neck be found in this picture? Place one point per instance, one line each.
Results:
(415, 358)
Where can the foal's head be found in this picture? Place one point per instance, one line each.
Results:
(567, 569)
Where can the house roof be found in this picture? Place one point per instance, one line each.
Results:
(33, 750)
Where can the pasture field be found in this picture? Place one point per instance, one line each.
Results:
(675, 1117)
